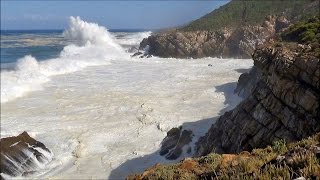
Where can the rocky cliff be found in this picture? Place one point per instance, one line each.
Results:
(227, 42)
(237, 37)
(283, 103)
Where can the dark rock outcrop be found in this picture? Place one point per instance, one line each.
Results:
(22, 155)
(176, 139)
(284, 102)
(238, 42)
(247, 82)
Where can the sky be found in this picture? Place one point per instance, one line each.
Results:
(123, 14)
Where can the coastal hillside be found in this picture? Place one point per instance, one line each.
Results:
(243, 12)
(231, 31)
(281, 105)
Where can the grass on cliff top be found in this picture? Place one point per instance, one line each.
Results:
(304, 32)
(299, 159)
(239, 12)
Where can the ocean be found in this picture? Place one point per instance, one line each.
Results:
(101, 112)
(47, 44)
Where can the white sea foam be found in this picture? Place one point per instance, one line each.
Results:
(94, 45)
(108, 121)
(35, 163)
(132, 39)
(90, 33)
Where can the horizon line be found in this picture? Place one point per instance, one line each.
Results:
(112, 29)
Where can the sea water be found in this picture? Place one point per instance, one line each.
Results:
(100, 111)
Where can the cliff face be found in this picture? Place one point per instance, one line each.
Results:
(283, 102)
(228, 42)
(232, 31)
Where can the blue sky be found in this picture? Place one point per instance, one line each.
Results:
(124, 14)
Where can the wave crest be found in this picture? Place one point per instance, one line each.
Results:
(94, 45)
(85, 33)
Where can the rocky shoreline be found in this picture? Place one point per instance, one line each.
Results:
(237, 42)
(282, 104)
(236, 38)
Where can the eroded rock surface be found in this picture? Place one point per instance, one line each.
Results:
(238, 42)
(283, 104)
(22, 155)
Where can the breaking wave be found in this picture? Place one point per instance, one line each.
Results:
(92, 45)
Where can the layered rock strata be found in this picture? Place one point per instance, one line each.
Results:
(283, 102)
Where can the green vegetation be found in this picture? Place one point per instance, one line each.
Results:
(304, 32)
(239, 12)
(279, 146)
(280, 161)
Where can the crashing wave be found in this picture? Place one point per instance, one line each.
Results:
(93, 45)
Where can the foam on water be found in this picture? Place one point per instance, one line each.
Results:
(94, 45)
(108, 121)
(36, 163)
(132, 39)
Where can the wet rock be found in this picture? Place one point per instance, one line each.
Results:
(22, 155)
(175, 140)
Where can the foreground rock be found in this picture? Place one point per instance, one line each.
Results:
(172, 145)
(226, 43)
(22, 155)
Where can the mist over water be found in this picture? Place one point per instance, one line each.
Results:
(93, 45)
(102, 113)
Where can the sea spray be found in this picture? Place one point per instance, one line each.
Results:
(90, 33)
(92, 45)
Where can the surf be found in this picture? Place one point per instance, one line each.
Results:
(91, 45)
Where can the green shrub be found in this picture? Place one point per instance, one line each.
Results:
(279, 146)
(304, 32)
(239, 12)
